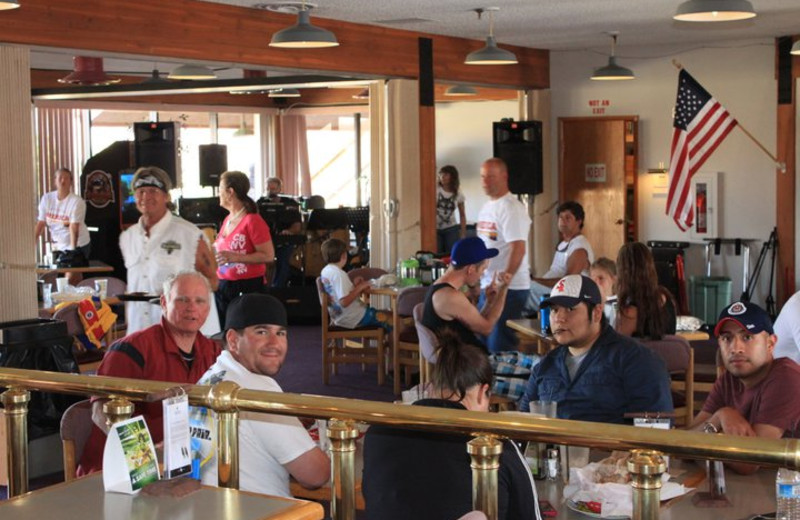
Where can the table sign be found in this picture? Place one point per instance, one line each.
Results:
(177, 442)
(129, 458)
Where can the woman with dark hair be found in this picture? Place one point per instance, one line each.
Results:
(646, 309)
(243, 246)
(427, 475)
(448, 199)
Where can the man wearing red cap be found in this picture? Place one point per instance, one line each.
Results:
(757, 394)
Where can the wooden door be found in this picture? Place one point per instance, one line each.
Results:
(598, 169)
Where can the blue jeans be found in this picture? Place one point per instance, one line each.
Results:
(502, 338)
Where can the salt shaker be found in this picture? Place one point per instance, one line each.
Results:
(552, 464)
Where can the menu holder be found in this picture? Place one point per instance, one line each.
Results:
(129, 458)
(177, 446)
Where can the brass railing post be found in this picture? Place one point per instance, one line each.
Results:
(485, 451)
(116, 410)
(646, 467)
(15, 401)
(223, 399)
(343, 435)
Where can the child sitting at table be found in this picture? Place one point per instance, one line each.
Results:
(346, 308)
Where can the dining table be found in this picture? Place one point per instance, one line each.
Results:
(95, 266)
(86, 498)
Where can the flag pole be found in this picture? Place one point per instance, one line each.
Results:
(780, 165)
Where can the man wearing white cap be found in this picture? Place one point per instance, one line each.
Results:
(159, 245)
(757, 394)
(595, 374)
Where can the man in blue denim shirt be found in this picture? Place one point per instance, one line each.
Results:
(595, 374)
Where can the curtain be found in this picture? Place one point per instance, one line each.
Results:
(293, 168)
(60, 141)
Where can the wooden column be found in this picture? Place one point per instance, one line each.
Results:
(18, 201)
(427, 147)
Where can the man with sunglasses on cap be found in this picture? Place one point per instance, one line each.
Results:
(159, 245)
(272, 447)
(757, 394)
(595, 374)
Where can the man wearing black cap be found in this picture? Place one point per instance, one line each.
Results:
(273, 447)
(757, 394)
(595, 374)
(159, 245)
(447, 306)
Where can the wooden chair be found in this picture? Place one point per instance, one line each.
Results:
(341, 345)
(679, 358)
(406, 352)
(114, 287)
(76, 425)
(428, 343)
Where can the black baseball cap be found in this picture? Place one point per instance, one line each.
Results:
(253, 309)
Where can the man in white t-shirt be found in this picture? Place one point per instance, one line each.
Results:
(272, 447)
(787, 329)
(573, 254)
(63, 212)
(504, 224)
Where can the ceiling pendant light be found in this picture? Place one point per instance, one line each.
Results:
(461, 90)
(714, 11)
(284, 92)
(8, 4)
(191, 71)
(491, 54)
(612, 71)
(243, 130)
(88, 71)
(362, 94)
(303, 35)
(795, 48)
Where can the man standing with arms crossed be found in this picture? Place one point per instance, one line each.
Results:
(503, 224)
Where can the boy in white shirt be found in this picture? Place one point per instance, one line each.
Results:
(346, 308)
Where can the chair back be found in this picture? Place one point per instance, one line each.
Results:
(428, 343)
(114, 287)
(76, 425)
(323, 301)
(674, 350)
(409, 298)
(69, 314)
(366, 273)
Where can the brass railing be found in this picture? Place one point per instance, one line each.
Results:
(228, 399)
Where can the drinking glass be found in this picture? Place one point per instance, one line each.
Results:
(101, 288)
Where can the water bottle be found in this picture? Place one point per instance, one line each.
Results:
(787, 492)
(544, 314)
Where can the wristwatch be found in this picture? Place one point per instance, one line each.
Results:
(709, 427)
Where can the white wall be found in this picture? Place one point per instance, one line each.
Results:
(464, 139)
(741, 77)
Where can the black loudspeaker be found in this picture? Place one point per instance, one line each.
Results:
(157, 145)
(785, 80)
(213, 163)
(426, 72)
(519, 144)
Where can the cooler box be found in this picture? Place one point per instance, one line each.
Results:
(708, 295)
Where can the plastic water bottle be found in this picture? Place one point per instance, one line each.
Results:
(787, 492)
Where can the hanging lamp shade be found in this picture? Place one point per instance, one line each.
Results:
(461, 90)
(303, 35)
(88, 71)
(284, 92)
(714, 11)
(8, 4)
(491, 54)
(612, 71)
(191, 71)
(362, 94)
(795, 48)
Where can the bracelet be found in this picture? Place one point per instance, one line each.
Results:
(708, 427)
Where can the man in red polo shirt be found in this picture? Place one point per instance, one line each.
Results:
(173, 350)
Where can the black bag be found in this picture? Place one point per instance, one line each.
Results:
(70, 258)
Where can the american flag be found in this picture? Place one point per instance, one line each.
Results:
(701, 124)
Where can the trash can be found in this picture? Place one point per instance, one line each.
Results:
(708, 295)
(40, 344)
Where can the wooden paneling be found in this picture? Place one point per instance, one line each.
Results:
(205, 31)
(17, 196)
(427, 177)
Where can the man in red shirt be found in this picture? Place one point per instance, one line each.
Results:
(757, 394)
(173, 350)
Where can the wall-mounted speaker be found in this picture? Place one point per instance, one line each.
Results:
(519, 144)
(213, 163)
(157, 145)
